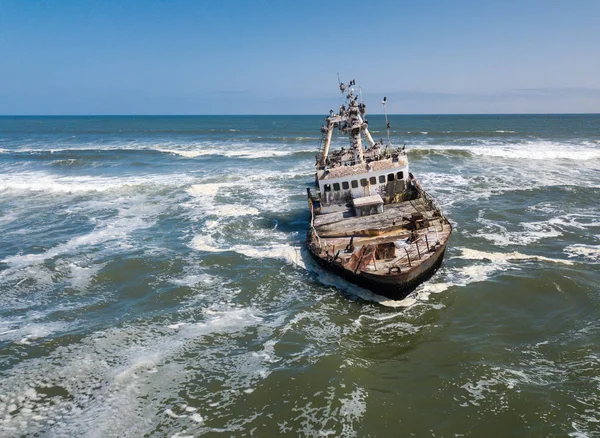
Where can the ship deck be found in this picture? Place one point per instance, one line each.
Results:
(340, 230)
(394, 216)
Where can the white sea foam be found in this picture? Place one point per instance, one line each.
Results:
(81, 276)
(115, 230)
(529, 150)
(546, 151)
(262, 184)
(460, 277)
(388, 323)
(44, 182)
(368, 295)
(183, 153)
(207, 189)
(501, 236)
(41, 148)
(205, 193)
(73, 263)
(265, 153)
(221, 211)
(240, 149)
(34, 181)
(285, 252)
(205, 242)
(194, 279)
(490, 263)
(347, 409)
(468, 183)
(500, 257)
(590, 253)
(289, 254)
(579, 221)
(234, 210)
(387, 302)
(29, 329)
(225, 320)
(112, 379)
(490, 388)
(197, 418)
(262, 188)
(352, 410)
(8, 218)
(234, 152)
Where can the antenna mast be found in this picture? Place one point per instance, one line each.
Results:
(387, 124)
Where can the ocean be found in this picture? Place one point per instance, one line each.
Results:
(154, 282)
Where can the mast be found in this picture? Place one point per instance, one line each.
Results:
(350, 119)
(387, 123)
(368, 135)
(356, 123)
(327, 141)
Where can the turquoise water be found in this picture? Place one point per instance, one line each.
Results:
(153, 282)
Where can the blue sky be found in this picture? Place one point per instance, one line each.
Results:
(282, 57)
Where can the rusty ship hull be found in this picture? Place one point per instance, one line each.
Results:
(396, 286)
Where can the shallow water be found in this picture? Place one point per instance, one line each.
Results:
(153, 282)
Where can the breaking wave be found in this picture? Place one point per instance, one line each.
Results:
(36, 181)
(92, 153)
(549, 151)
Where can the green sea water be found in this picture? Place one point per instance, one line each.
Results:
(154, 282)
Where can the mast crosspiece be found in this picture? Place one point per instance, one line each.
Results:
(351, 119)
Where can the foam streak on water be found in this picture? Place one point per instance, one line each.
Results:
(154, 282)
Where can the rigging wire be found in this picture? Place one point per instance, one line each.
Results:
(387, 124)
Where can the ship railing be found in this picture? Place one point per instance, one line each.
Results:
(312, 220)
(431, 202)
(421, 246)
(407, 258)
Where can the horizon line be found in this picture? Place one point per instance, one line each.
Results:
(299, 115)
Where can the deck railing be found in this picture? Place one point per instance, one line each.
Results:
(421, 246)
(431, 202)
(312, 220)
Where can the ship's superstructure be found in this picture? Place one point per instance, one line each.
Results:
(361, 170)
(369, 214)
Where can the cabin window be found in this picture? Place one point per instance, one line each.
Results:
(363, 182)
(345, 185)
(390, 177)
(354, 184)
(327, 188)
(400, 175)
(373, 180)
(336, 187)
(381, 179)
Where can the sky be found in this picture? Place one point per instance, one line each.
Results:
(283, 57)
